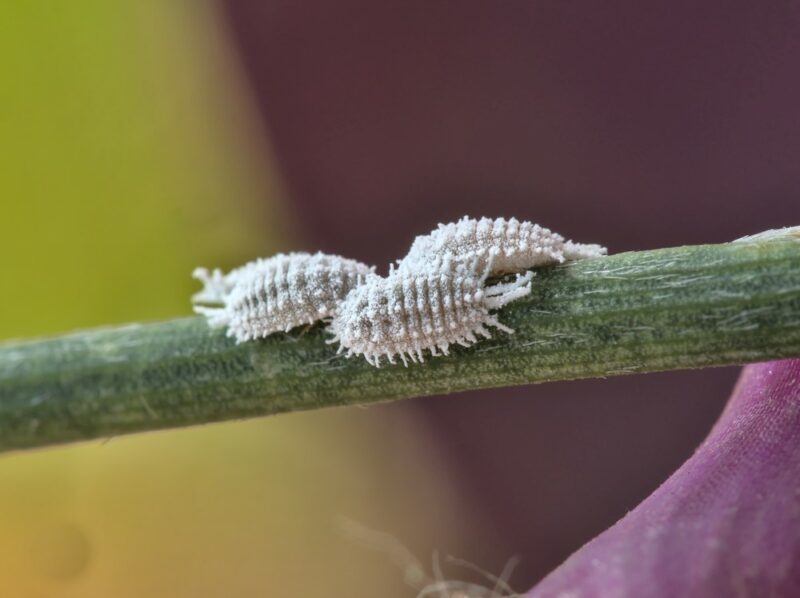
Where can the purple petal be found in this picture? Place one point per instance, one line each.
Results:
(727, 523)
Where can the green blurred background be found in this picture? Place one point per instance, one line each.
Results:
(128, 156)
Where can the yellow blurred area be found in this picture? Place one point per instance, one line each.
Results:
(245, 509)
(129, 154)
(119, 168)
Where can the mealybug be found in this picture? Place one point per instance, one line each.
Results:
(277, 293)
(512, 245)
(428, 309)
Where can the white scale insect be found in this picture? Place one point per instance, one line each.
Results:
(512, 245)
(435, 298)
(410, 312)
(277, 293)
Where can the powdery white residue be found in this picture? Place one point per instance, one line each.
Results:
(511, 245)
(582, 251)
(277, 293)
(441, 303)
(789, 232)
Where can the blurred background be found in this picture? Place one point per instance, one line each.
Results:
(141, 139)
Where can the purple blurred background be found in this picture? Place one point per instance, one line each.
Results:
(636, 125)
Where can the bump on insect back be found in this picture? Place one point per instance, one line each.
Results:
(511, 245)
(435, 298)
(409, 312)
(277, 293)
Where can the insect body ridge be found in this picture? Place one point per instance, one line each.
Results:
(277, 293)
(408, 313)
(513, 245)
(435, 297)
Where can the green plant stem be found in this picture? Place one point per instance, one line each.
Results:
(646, 311)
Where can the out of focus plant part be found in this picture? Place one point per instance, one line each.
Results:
(684, 307)
(724, 524)
(439, 584)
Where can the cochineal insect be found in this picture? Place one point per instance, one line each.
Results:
(277, 293)
(510, 245)
(441, 303)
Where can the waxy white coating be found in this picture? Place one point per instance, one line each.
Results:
(277, 293)
(513, 246)
(409, 313)
(435, 298)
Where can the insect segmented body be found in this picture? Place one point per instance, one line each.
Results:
(511, 245)
(277, 293)
(435, 298)
(409, 312)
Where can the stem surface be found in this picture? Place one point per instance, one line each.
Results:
(684, 307)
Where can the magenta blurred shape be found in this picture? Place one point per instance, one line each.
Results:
(727, 523)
